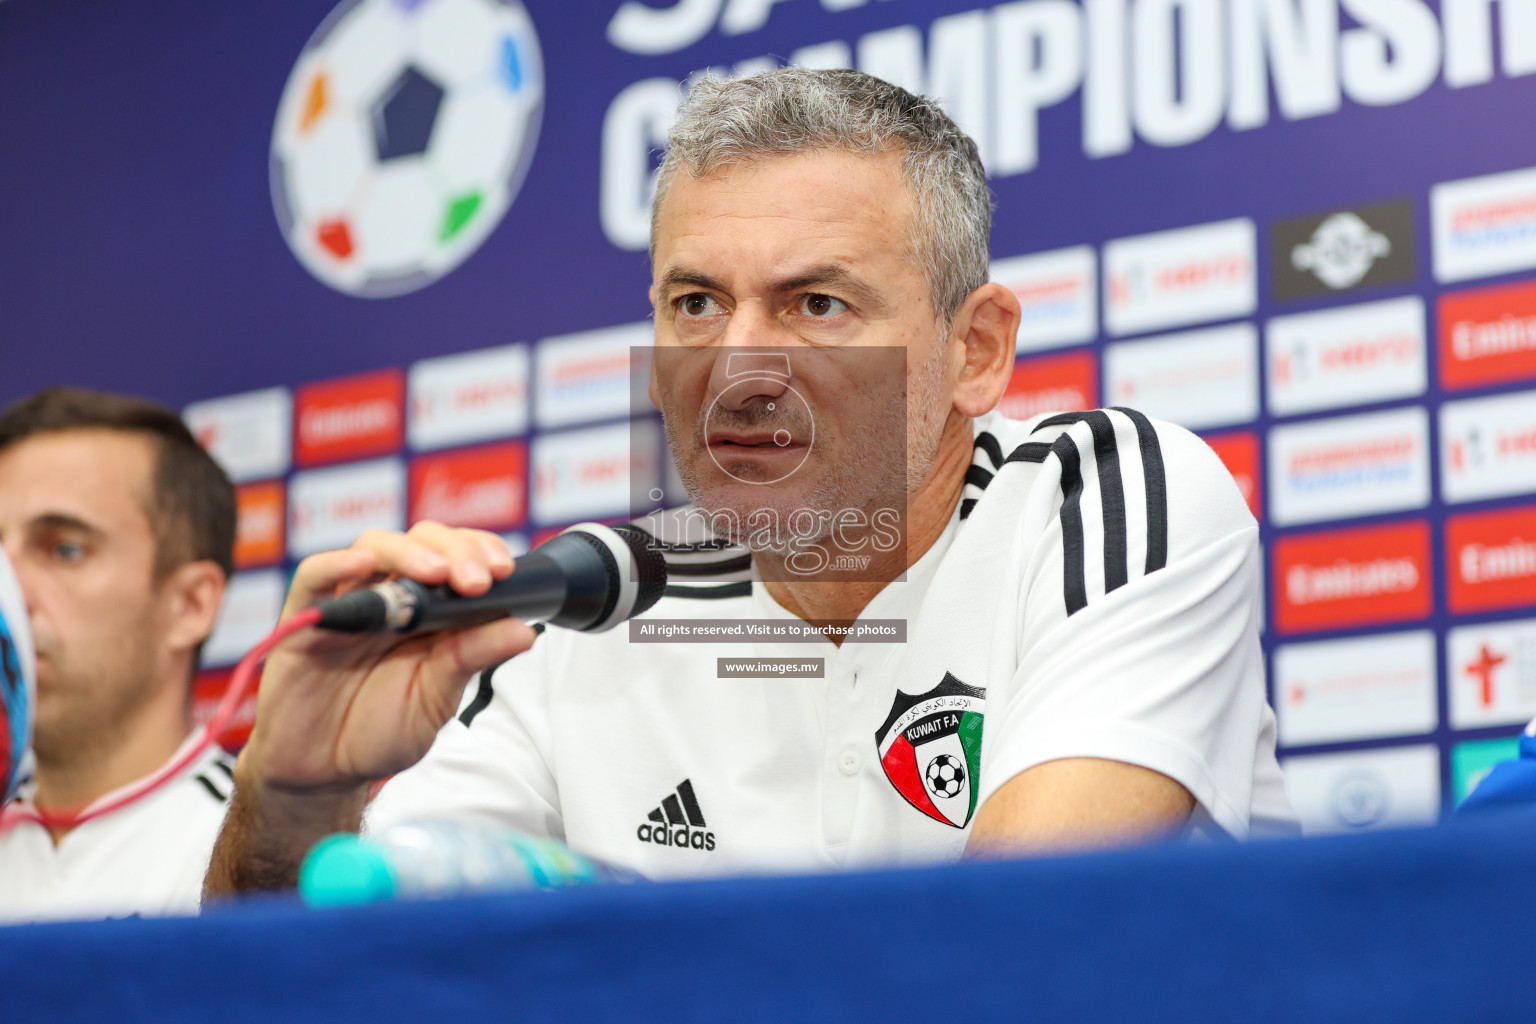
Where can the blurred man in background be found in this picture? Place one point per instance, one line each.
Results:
(121, 531)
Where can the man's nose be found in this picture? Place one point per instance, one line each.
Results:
(751, 361)
(742, 376)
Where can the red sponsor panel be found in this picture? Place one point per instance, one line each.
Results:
(1239, 452)
(262, 512)
(1061, 383)
(349, 418)
(1488, 335)
(485, 488)
(207, 690)
(1353, 577)
(1491, 560)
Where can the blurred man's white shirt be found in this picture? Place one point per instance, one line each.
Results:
(147, 858)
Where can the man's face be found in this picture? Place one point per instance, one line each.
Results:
(74, 522)
(783, 288)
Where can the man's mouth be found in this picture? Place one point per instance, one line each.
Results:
(770, 441)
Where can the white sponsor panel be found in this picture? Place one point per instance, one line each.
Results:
(1058, 296)
(1197, 379)
(252, 603)
(250, 435)
(1484, 226)
(1356, 355)
(474, 396)
(583, 377)
(1394, 788)
(585, 474)
(1488, 447)
(1490, 673)
(1349, 466)
(1355, 689)
(1186, 276)
(328, 508)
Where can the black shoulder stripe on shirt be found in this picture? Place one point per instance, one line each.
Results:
(741, 589)
(977, 476)
(967, 505)
(1073, 569)
(989, 444)
(1030, 451)
(1157, 489)
(483, 693)
(225, 767)
(720, 568)
(1061, 419)
(1111, 497)
(211, 788)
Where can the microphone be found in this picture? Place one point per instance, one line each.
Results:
(590, 577)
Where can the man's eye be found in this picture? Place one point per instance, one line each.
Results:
(822, 305)
(699, 305)
(68, 551)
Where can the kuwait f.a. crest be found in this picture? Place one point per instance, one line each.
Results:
(930, 748)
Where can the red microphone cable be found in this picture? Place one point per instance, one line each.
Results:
(239, 685)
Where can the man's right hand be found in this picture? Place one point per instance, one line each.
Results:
(337, 711)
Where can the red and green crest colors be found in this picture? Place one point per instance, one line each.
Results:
(930, 748)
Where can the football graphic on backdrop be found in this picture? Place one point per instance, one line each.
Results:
(402, 137)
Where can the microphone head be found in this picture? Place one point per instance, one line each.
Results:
(650, 568)
(636, 572)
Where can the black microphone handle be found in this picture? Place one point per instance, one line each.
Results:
(563, 581)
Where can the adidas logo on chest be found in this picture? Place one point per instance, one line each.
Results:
(677, 821)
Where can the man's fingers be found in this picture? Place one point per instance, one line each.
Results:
(467, 651)
(318, 576)
(468, 559)
(497, 557)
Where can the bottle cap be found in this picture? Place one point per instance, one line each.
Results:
(344, 869)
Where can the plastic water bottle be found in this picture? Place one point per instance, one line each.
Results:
(440, 858)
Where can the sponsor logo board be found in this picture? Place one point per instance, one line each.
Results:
(1355, 355)
(1490, 670)
(1354, 577)
(1186, 276)
(1484, 226)
(261, 511)
(587, 474)
(1491, 560)
(1488, 447)
(1488, 335)
(1329, 691)
(328, 508)
(1197, 379)
(1058, 296)
(1063, 383)
(250, 434)
(579, 378)
(483, 488)
(1349, 466)
(349, 418)
(1472, 761)
(1239, 452)
(252, 603)
(1393, 788)
(474, 396)
(1334, 252)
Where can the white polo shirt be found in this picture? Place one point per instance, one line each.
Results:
(1093, 595)
(147, 858)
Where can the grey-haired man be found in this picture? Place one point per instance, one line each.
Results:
(1080, 664)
